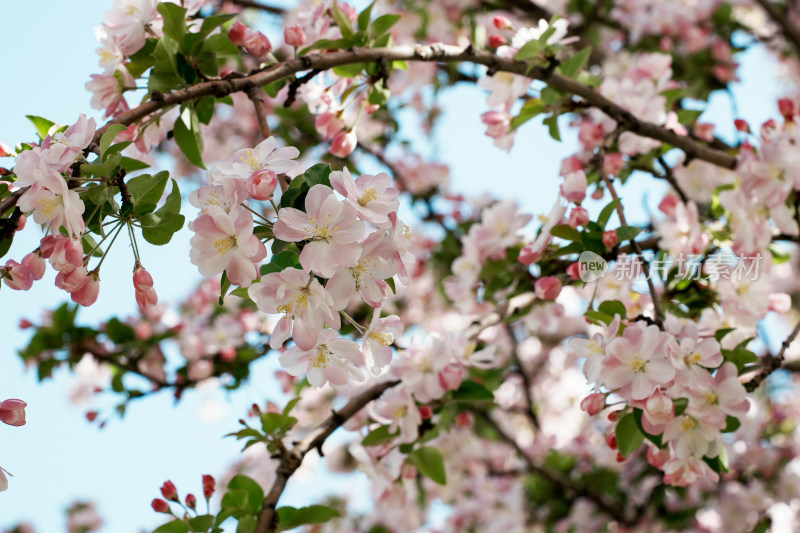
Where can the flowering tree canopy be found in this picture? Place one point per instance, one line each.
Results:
(566, 372)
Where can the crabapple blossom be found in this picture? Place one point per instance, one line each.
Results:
(331, 360)
(372, 196)
(398, 409)
(55, 204)
(329, 226)
(636, 362)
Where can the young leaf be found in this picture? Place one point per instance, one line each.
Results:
(571, 66)
(629, 438)
(606, 213)
(382, 25)
(528, 51)
(41, 124)
(187, 135)
(378, 436)
(291, 517)
(174, 19)
(430, 463)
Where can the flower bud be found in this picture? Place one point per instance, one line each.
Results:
(191, 501)
(12, 412)
(574, 271)
(613, 163)
(658, 409)
(496, 41)
(657, 457)
(610, 238)
(36, 264)
(237, 33)
(611, 441)
(594, 403)
(786, 108)
(409, 471)
(574, 187)
(257, 43)
(208, 486)
(547, 288)
(160, 506)
(86, 294)
(21, 223)
(294, 35)
(450, 377)
(17, 276)
(425, 412)
(142, 280)
(667, 205)
(464, 419)
(502, 23)
(344, 143)
(169, 492)
(741, 125)
(261, 184)
(578, 217)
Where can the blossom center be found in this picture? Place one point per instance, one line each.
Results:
(711, 398)
(249, 159)
(384, 339)
(48, 206)
(638, 364)
(694, 359)
(368, 196)
(688, 424)
(131, 10)
(223, 246)
(321, 359)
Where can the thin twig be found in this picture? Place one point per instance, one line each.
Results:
(258, 5)
(789, 30)
(291, 459)
(773, 363)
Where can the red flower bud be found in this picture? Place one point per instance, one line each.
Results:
(191, 501)
(496, 41)
(594, 403)
(160, 506)
(742, 125)
(611, 441)
(237, 33)
(169, 491)
(261, 184)
(610, 238)
(344, 143)
(208, 486)
(502, 23)
(426, 412)
(257, 43)
(294, 36)
(547, 288)
(464, 419)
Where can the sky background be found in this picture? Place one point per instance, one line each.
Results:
(59, 457)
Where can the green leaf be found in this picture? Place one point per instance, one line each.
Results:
(277, 423)
(213, 22)
(571, 66)
(655, 439)
(566, 232)
(680, 405)
(220, 44)
(598, 318)
(173, 203)
(247, 524)
(390, 283)
(382, 25)
(364, 16)
(379, 94)
(528, 51)
(255, 494)
(722, 332)
(719, 463)
(205, 109)
(430, 463)
(629, 438)
(606, 213)
(41, 124)
(281, 261)
(613, 307)
(532, 108)
(131, 165)
(109, 136)
(343, 21)
(159, 227)
(236, 499)
(351, 70)
(201, 523)
(291, 517)
(187, 135)
(146, 191)
(176, 526)
(90, 245)
(119, 332)
(224, 285)
(174, 19)
(628, 233)
(552, 124)
(471, 391)
(731, 424)
(741, 357)
(378, 436)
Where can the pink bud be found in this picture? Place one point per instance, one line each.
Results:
(142, 280)
(36, 264)
(344, 143)
(12, 412)
(21, 223)
(5, 150)
(574, 271)
(613, 163)
(169, 492)
(658, 409)
(613, 416)
(257, 43)
(704, 131)
(17, 276)
(610, 238)
(450, 377)
(578, 217)
(527, 256)
(611, 441)
(425, 412)
(88, 291)
(24, 323)
(502, 23)
(464, 419)
(72, 280)
(261, 184)
(547, 288)
(667, 205)
(237, 33)
(191, 501)
(294, 35)
(409, 471)
(570, 164)
(574, 187)
(496, 41)
(594, 403)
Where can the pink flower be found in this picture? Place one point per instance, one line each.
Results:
(306, 305)
(226, 242)
(578, 217)
(36, 264)
(71, 280)
(450, 377)
(367, 277)
(265, 156)
(329, 226)
(237, 33)
(635, 363)
(12, 412)
(547, 288)
(378, 339)
(692, 437)
(684, 472)
(574, 187)
(56, 204)
(64, 148)
(107, 94)
(372, 196)
(613, 163)
(658, 411)
(17, 276)
(397, 408)
(344, 143)
(714, 399)
(498, 127)
(65, 254)
(502, 23)
(294, 36)
(261, 184)
(257, 43)
(332, 359)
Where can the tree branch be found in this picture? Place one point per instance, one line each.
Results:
(773, 363)
(789, 30)
(258, 5)
(290, 460)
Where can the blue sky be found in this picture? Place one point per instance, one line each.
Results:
(58, 456)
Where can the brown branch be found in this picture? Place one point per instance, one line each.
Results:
(290, 460)
(669, 176)
(258, 5)
(773, 363)
(566, 484)
(779, 17)
(527, 382)
(256, 95)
